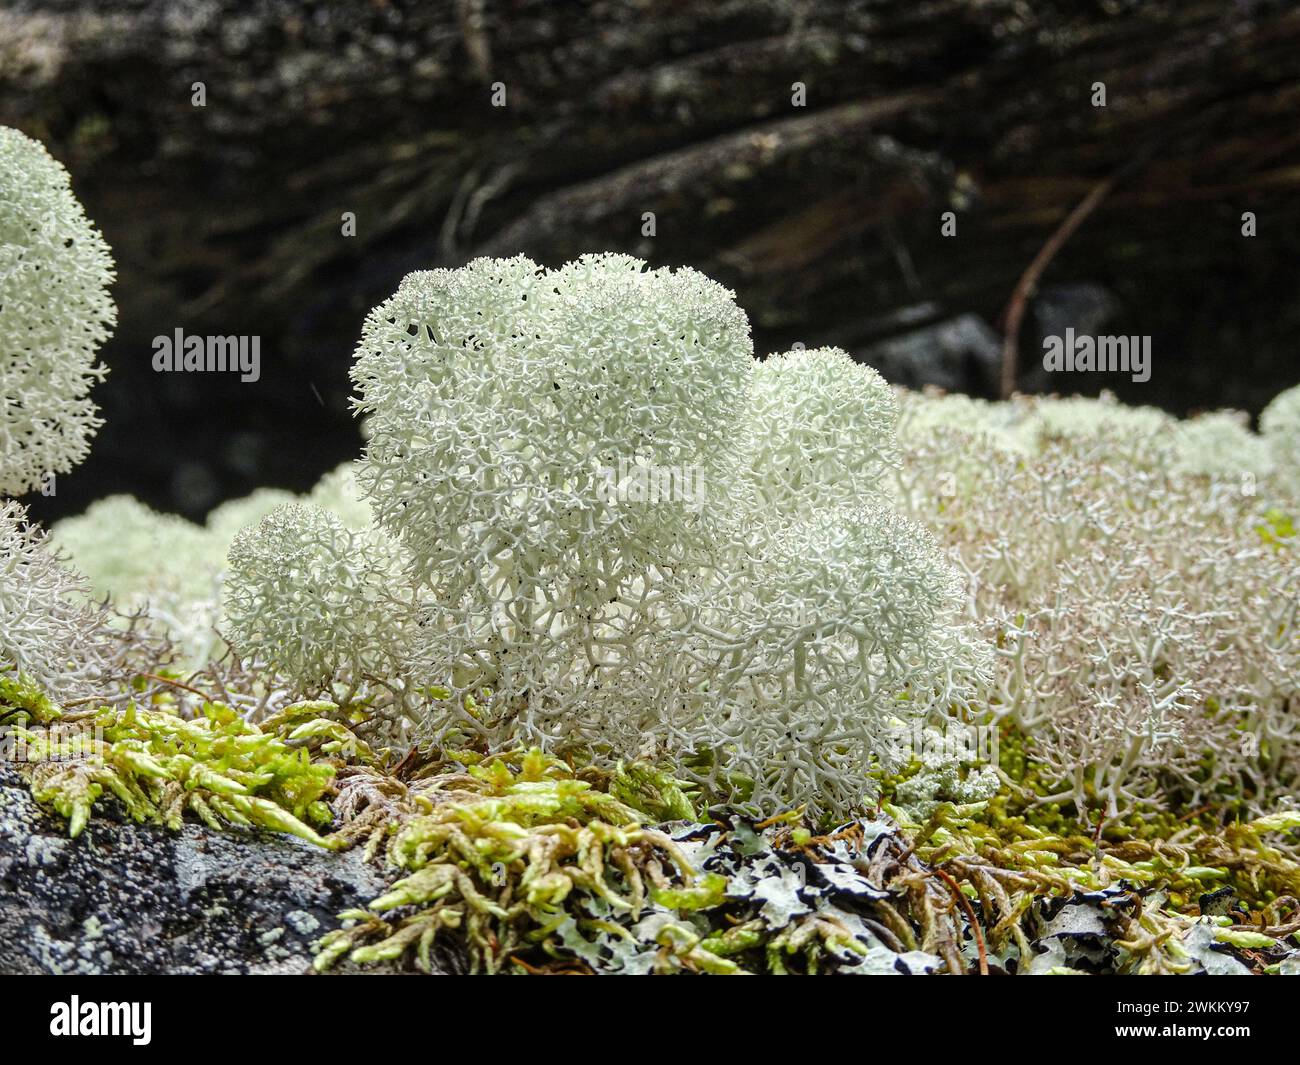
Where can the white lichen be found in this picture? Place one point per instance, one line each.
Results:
(55, 313)
(312, 600)
(1140, 578)
(769, 622)
(51, 633)
(1280, 426)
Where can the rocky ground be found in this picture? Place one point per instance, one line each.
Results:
(128, 898)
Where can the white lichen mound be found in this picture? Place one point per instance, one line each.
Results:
(627, 536)
(169, 571)
(340, 493)
(312, 600)
(587, 519)
(1220, 444)
(820, 430)
(152, 566)
(1280, 426)
(825, 615)
(513, 414)
(810, 638)
(501, 396)
(225, 521)
(133, 553)
(55, 313)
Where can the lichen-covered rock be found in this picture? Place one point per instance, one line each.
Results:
(128, 898)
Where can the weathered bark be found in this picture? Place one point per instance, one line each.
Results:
(825, 218)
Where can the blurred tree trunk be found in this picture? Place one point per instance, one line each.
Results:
(826, 217)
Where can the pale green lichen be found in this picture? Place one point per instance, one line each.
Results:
(55, 313)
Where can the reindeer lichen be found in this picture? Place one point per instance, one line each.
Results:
(55, 313)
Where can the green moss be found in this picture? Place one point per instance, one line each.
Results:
(161, 766)
(501, 858)
(512, 853)
(1276, 528)
(709, 890)
(22, 702)
(653, 791)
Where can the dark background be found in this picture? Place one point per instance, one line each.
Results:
(825, 219)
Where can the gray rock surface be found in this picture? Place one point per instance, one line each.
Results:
(128, 898)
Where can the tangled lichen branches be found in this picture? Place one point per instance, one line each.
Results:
(49, 629)
(819, 432)
(500, 393)
(803, 658)
(158, 565)
(314, 600)
(1143, 603)
(171, 570)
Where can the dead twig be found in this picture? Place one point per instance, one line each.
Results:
(1014, 314)
(964, 903)
(175, 684)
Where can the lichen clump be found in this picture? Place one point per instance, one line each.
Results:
(50, 632)
(605, 529)
(1143, 595)
(55, 313)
